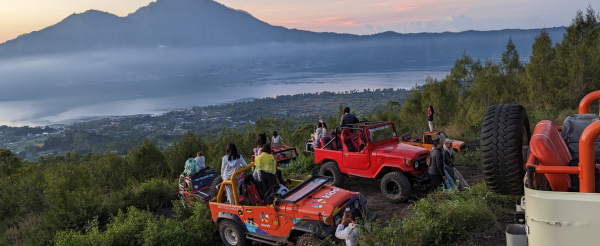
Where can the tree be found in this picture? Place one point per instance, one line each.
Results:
(512, 68)
(539, 71)
(9, 163)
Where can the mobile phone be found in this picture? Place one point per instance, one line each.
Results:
(347, 209)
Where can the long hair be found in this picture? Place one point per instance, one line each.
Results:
(232, 152)
(274, 133)
(261, 140)
(431, 108)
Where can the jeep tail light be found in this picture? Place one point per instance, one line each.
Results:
(326, 220)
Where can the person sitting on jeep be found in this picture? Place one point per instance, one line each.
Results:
(231, 163)
(191, 166)
(200, 160)
(348, 118)
(347, 229)
(318, 134)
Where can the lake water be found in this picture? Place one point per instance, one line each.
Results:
(66, 103)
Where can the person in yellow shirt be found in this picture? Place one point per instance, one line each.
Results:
(264, 162)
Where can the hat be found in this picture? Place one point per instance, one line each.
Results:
(447, 140)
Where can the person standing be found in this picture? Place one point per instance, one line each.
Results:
(318, 134)
(449, 159)
(261, 140)
(348, 118)
(430, 113)
(276, 139)
(436, 167)
(231, 163)
(347, 229)
(200, 161)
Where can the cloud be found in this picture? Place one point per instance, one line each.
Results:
(459, 23)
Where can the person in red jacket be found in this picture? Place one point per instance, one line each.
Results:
(430, 112)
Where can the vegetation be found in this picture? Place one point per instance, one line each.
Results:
(443, 217)
(552, 84)
(110, 199)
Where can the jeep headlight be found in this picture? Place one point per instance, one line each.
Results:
(408, 162)
(416, 164)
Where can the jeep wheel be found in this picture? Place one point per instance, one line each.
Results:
(332, 170)
(395, 187)
(231, 233)
(504, 132)
(309, 239)
(214, 188)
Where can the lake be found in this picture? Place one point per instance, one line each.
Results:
(64, 103)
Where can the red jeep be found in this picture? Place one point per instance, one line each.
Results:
(375, 152)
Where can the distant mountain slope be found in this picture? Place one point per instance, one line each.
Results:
(206, 23)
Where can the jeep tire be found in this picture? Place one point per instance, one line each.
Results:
(332, 170)
(504, 132)
(214, 188)
(395, 187)
(231, 233)
(309, 239)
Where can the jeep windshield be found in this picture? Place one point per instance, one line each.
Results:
(442, 136)
(381, 133)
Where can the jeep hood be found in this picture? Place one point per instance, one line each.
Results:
(325, 200)
(457, 143)
(401, 150)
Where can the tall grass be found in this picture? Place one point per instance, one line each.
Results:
(443, 217)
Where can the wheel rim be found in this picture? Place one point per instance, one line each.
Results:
(231, 236)
(392, 188)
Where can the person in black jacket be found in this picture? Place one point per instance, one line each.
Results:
(436, 166)
(348, 118)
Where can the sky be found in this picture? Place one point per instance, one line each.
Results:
(344, 16)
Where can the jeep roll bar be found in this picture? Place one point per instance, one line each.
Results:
(586, 169)
(233, 184)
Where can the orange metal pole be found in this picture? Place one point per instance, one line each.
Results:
(586, 157)
(557, 169)
(584, 105)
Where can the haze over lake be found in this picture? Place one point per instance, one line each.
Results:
(63, 103)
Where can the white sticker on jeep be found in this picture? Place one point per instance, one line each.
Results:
(331, 193)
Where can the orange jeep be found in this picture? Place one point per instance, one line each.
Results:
(427, 139)
(304, 215)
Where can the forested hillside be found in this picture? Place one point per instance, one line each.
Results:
(109, 199)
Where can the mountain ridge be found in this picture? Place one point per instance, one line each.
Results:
(204, 23)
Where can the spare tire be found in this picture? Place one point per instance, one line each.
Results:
(504, 132)
(214, 188)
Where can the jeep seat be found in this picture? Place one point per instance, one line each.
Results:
(573, 127)
(348, 142)
(325, 140)
(549, 148)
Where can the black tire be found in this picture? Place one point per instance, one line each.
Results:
(332, 170)
(309, 239)
(214, 188)
(232, 234)
(395, 187)
(504, 132)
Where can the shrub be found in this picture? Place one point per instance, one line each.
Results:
(443, 217)
(138, 227)
(155, 194)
